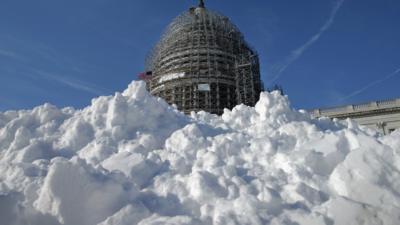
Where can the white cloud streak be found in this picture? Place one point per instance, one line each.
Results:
(11, 55)
(370, 85)
(45, 53)
(278, 69)
(76, 84)
(7, 53)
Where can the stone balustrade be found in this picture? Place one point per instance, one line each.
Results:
(383, 116)
(376, 105)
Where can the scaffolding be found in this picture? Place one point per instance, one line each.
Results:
(202, 62)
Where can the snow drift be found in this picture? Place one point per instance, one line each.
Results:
(132, 159)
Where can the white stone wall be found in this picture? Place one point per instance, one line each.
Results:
(383, 116)
(383, 123)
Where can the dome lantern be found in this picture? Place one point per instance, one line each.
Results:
(201, 4)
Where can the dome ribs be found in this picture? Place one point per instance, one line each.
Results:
(203, 62)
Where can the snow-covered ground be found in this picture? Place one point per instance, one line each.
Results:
(132, 159)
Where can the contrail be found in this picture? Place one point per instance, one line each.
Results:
(361, 90)
(76, 84)
(295, 55)
(11, 54)
(7, 53)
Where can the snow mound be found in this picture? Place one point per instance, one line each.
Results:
(132, 159)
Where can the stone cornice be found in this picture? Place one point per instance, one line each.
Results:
(360, 110)
(365, 113)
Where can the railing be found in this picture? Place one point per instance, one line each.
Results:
(364, 106)
(333, 110)
(393, 103)
(388, 102)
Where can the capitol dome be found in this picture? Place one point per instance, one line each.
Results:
(202, 62)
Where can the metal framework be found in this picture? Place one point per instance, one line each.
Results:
(202, 62)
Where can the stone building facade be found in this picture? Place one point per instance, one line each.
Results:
(203, 63)
(383, 116)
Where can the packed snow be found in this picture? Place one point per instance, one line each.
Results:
(132, 159)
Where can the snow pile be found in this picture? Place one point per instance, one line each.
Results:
(132, 159)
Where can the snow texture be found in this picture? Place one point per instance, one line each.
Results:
(132, 159)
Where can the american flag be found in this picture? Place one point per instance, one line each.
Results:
(145, 75)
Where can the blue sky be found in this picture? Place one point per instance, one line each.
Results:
(323, 52)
